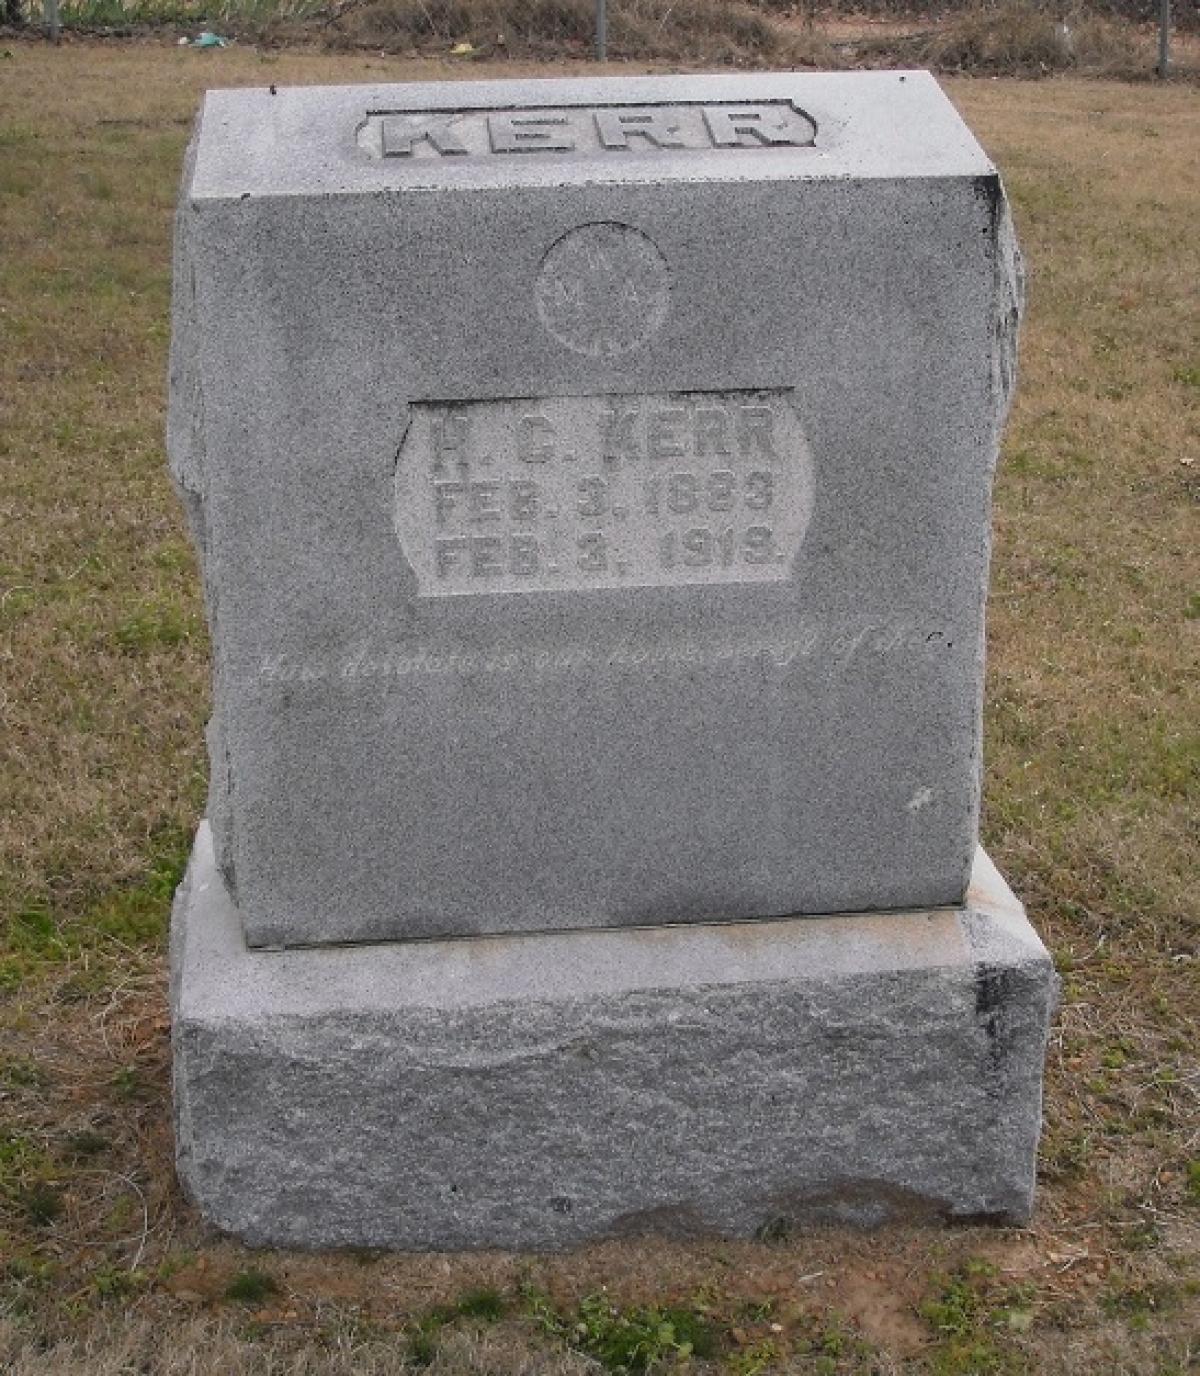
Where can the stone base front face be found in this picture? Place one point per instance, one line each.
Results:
(539, 1091)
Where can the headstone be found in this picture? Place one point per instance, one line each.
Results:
(592, 482)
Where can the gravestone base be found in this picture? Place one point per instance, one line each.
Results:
(542, 1090)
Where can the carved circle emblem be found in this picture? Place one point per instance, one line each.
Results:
(603, 289)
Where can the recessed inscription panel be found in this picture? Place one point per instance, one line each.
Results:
(530, 494)
(596, 129)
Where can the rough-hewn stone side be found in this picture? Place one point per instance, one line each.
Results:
(539, 1091)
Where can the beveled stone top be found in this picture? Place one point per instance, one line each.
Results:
(325, 140)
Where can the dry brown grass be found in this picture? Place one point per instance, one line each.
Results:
(725, 32)
(1019, 38)
(1093, 757)
(991, 37)
(208, 1347)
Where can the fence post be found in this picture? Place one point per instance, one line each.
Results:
(50, 19)
(601, 30)
(1164, 36)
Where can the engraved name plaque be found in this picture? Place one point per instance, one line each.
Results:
(586, 129)
(583, 492)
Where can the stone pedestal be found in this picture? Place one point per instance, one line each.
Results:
(541, 1090)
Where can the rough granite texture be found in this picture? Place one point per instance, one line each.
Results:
(540, 1090)
(521, 618)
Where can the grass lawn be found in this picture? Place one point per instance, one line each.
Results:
(1091, 810)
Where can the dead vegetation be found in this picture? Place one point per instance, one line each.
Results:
(1013, 37)
(982, 37)
(725, 32)
(643, 29)
(1093, 773)
(1016, 38)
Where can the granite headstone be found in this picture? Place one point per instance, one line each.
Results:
(592, 483)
